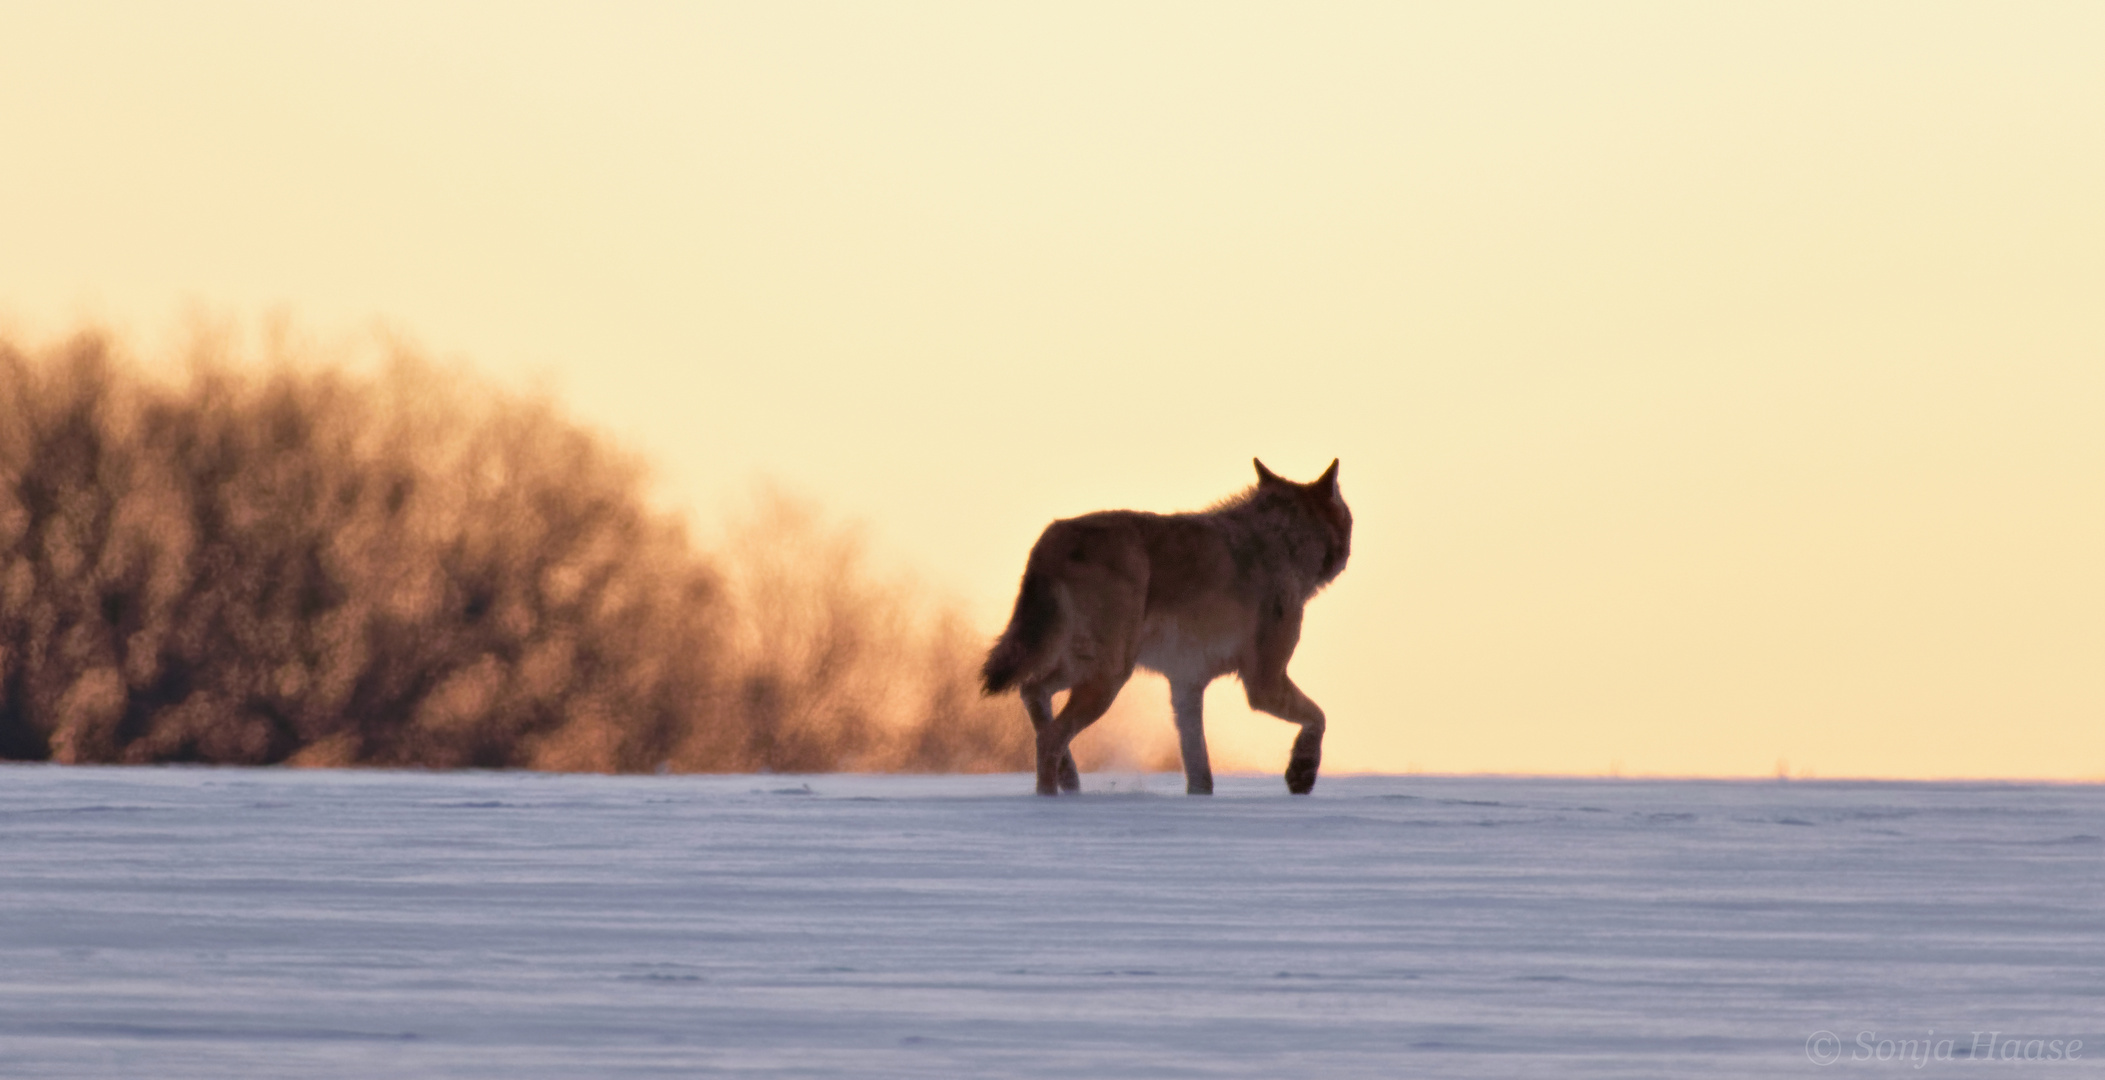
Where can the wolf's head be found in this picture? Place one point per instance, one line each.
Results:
(1323, 503)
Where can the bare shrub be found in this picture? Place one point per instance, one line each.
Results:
(839, 669)
(292, 564)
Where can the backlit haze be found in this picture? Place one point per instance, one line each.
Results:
(1720, 389)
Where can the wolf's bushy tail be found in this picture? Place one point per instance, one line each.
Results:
(1030, 627)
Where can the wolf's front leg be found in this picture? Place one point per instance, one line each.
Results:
(1188, 700)
(1307, 754)
(1280, 697)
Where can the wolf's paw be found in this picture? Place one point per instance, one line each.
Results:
(1301, 775)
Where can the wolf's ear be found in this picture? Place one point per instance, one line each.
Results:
(1264, 475)
(1328, 482)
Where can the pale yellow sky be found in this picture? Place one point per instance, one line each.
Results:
(1715, 384)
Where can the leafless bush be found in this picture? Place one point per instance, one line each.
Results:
(828, 657)
(301, 565)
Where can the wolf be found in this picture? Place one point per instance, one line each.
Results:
(1193, 596)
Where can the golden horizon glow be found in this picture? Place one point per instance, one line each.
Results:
(1718, 389)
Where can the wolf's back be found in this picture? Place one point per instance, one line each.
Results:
(1030, 628)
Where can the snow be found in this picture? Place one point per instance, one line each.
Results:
(178, 922)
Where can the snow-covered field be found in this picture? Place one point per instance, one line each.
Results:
(224, 923)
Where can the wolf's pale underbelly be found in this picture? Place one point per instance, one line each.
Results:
(1192, 646)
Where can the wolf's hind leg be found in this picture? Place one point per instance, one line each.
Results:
(1085, 702)
(1037, 701)
(1188, 699)
(1283, 699)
